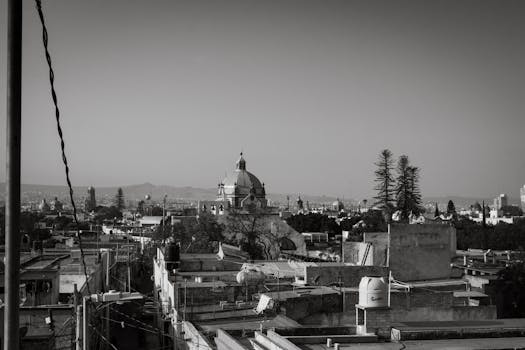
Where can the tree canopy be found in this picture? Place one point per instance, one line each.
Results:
(501, 236)
(384, 179)
(451, 208)
(314, 222)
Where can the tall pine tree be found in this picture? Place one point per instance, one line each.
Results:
(414, 191)
(403, 183)
(408, 194)
(384, 179)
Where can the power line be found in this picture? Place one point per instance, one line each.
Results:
(60, 133)
(152, 331)
(103, 338)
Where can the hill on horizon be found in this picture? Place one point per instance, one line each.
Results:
(136, 192)
(139, 191)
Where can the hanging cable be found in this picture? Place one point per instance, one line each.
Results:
(103, 338)
(61, 136)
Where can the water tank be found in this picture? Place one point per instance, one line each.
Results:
(373, 292)
(250, 277)
(172, 256)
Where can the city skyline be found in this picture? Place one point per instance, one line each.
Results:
(311, 92)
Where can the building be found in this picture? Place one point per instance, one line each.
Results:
(57, 205)
(338, 206)
(500, 201)
(91, 203)
(43, 206)
(242, 188)
(522, 197)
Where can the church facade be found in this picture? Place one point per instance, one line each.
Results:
(241, 190)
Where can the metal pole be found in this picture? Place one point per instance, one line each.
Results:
(163, 214)
(129, 271)
(108, 315)
(12, 213)
(79, 327)
(85, 324)
(77, 316)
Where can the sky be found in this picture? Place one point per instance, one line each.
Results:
(169, 92)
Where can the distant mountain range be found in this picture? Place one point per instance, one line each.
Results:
(33, 193)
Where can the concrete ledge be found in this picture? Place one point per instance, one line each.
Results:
(321, 339)
(458, 330)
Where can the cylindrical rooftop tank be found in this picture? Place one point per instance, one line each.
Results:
(172, 252)
(172, 256)
(250, 277)
(373, 292)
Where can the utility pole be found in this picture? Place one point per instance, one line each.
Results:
(12, 213)
(78, 314)
(129, 270)
(108, 312)
(163, 216)
(85, 324)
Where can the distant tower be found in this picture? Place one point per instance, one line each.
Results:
(338, 205)
(43, 206)
(522, 197)
(56, 205)
(299, 203)
(91, 202)
(500, 201)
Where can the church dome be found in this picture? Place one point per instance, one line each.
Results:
(338, 205)
(242, 182)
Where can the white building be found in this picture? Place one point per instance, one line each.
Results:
(522, 197)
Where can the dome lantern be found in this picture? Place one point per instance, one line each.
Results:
(241, 163)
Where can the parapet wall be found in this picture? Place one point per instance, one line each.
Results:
(421, 252)
(336, 273)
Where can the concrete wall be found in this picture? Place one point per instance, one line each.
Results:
(379, 241)
(207, 264)
(42, 286)
(421, 252)
(353, 253)
(298, 308)
(380, 320)
(333, 273)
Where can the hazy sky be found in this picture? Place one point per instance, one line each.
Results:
(169, 92)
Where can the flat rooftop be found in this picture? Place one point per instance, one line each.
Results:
(473, 324)
(445, 344)
(248, 323)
